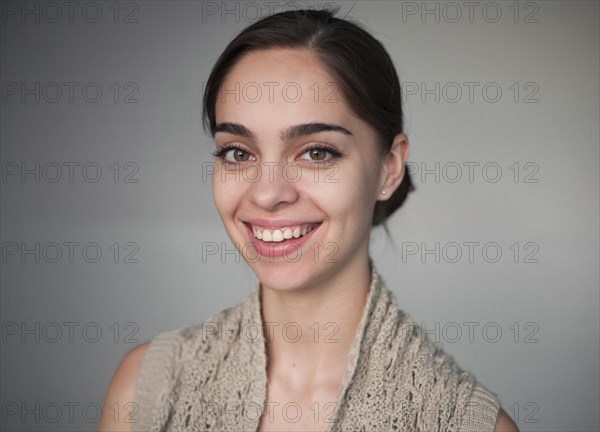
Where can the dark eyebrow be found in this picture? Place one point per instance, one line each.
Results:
(311, 128)
(234, 129)
(289, 134)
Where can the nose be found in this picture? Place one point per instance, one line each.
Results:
(274, 185)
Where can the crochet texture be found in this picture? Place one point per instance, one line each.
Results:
(212, 377)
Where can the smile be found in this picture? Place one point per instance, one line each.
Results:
(277, 235)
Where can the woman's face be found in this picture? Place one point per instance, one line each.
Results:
(270, 180)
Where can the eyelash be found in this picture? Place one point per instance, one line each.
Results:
(221, 152)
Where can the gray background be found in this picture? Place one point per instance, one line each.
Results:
(544, 365)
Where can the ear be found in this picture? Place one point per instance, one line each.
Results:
(392, 170)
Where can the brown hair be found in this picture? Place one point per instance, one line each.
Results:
(360, 65)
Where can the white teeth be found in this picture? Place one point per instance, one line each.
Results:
(279, 235)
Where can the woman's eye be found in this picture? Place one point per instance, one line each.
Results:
(232, 154)
(318, 154)
(239, 155)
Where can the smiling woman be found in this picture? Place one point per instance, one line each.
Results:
(306, 114)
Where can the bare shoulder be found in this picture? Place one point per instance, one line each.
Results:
(505, 423)
(120, 393)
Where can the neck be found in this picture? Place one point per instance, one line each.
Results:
(309, 332)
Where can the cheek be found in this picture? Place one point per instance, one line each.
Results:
(226, 194)
(345, 193)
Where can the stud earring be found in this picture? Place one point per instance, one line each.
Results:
(383, 192)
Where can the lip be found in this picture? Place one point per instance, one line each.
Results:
(278, 249)
(277, 223)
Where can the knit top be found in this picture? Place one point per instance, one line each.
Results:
(212, 377)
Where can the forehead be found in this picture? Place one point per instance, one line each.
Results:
(278, 87)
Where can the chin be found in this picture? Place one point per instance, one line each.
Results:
(282, 275)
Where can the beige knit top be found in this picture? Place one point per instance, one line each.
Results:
(212, 377)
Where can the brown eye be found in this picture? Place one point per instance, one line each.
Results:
(232, 154)
(318, 154)
(240, 155)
